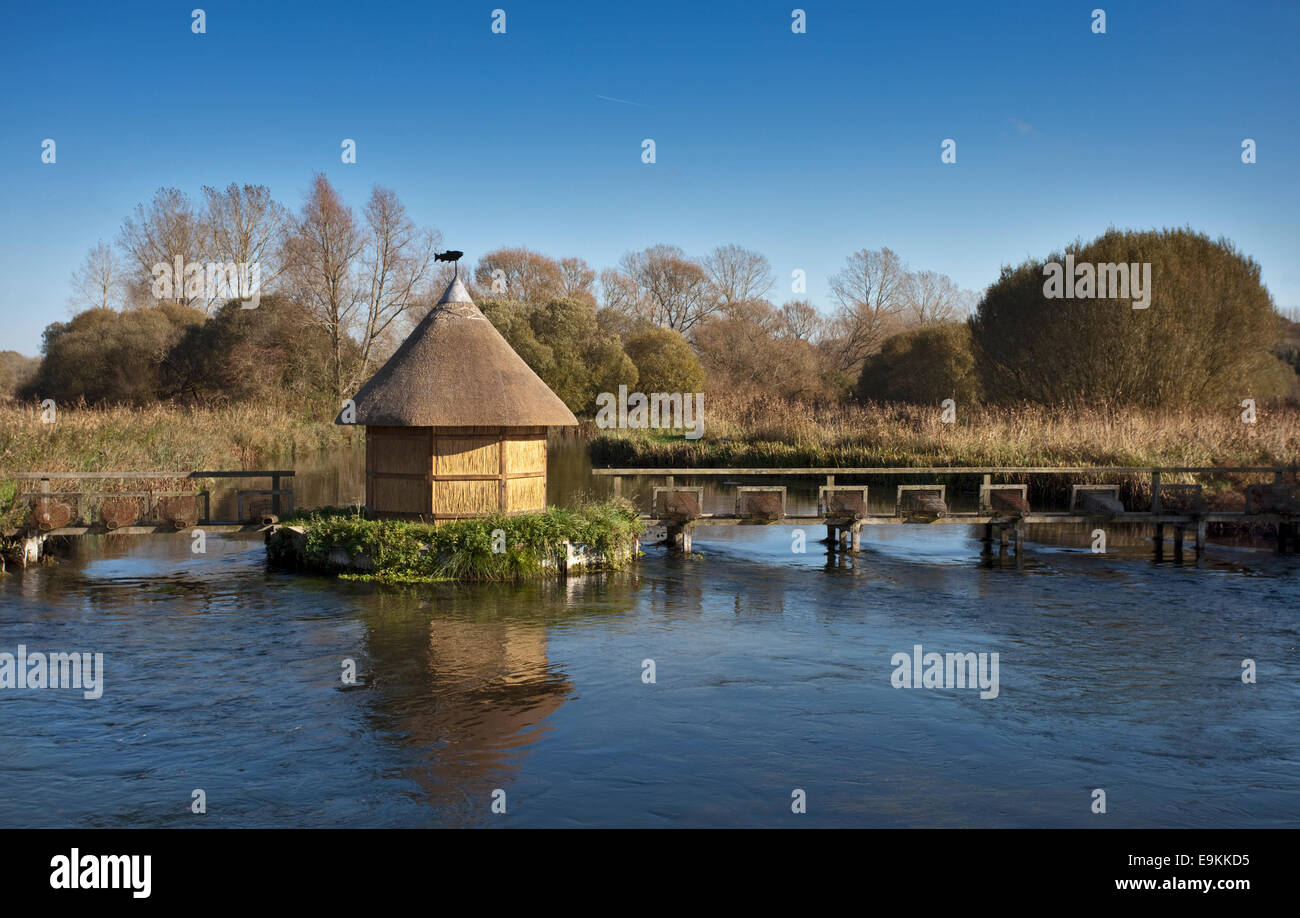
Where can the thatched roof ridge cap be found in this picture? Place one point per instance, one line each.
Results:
(455, 293)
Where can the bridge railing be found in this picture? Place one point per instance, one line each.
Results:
(281, 497)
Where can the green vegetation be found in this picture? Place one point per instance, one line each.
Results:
(560, 340)
(664, 362)
(170, 352)
(401, 551)
(1207, 336)
(922, 366)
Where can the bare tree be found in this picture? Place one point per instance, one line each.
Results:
(619, 294)
(801, 320)
(870, 290)
(160, 234)
(99, 280)
(321, 259)
(738, 275)
(930, 297)
(673, 287)
(519, 274)
(396, 268)
(245, 226)
(579, 279)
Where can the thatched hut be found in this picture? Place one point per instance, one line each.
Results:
(455, 421)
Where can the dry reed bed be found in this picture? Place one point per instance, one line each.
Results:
(767, 432)
(158, 438)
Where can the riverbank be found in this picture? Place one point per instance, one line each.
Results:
(773, 433)
(163, 437)
(590, 537)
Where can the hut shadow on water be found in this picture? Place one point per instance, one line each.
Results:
(463, 681)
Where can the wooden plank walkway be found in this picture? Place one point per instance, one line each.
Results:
(844, 531)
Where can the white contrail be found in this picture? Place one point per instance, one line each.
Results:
(623, 101)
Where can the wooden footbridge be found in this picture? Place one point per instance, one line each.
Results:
(1003, 510)
(132, 506)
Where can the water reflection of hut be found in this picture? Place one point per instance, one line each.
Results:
(468, 692)
(455, 421)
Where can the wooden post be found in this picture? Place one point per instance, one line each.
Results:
(844, 539)
(1160, 541)
(618, 485)
(831, 536)
(1020, 544)
(686, 540)
(857, 538)
(275, 498)
(1201, 527)
(1155, 492)
(1178, 542)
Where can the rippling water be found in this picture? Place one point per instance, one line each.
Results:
(773, 673)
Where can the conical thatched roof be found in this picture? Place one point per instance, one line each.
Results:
(455, 370)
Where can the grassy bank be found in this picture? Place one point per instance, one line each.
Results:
(767, 433)
(492, 548)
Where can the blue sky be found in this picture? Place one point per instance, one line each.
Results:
(804, 147)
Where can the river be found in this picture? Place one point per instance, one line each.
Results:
(773, 673)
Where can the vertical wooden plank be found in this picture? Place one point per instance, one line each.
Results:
(1155, 492)
(504, 466)
(370, 479)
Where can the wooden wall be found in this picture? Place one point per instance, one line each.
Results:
(444, 473)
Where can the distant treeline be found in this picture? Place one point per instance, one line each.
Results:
(339, 291)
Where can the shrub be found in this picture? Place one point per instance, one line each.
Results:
(922, 366)
(1204, 339)
(664, 362)
(463, 549)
